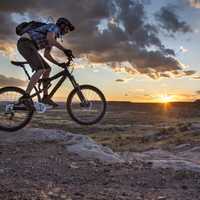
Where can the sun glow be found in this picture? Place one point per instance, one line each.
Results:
(166, 98)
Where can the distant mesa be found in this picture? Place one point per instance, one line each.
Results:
(197, 101)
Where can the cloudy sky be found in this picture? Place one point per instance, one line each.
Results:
(133, 50)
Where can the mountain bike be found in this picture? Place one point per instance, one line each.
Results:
(85, 104)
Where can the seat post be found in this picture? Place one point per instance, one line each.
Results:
(26, 72)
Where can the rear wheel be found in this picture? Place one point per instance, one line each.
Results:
(14, 114)
(89, 111)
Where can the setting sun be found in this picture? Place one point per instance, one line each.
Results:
(166, 98)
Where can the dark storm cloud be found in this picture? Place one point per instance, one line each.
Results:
(152, 63)
(6, 81)
(131, 14)
(170, 21)
(7, 29)
(7, 26)
(84, 14)
(119, 80)
(19, 6)
(116, 45)
(127, 37)
(189, 72)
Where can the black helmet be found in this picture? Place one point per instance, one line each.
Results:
(65, 21)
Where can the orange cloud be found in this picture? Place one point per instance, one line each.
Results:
(194, 3)
(10, 81)
(7, 48)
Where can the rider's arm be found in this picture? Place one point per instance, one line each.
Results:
(53, 42)
(48, 56)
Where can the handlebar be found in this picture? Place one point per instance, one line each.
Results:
(69, 55)
(70, 59)
(68, 63)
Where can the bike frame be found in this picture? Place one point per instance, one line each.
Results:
(63, 75)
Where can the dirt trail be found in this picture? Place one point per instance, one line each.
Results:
(45, 170)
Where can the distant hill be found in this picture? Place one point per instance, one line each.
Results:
(142, 106)
(197, 101)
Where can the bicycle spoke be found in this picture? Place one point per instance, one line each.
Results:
(88, 111)
(11, 118)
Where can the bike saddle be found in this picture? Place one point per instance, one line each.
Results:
(19, 63)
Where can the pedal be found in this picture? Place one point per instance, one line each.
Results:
(49, 107)
(40, 107)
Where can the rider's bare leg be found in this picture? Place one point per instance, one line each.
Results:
(46, 99)
(34, 79)
(46, 75)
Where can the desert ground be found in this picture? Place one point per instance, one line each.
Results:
(132, 126)
(149, 137)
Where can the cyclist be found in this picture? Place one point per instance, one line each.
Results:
(43, 37)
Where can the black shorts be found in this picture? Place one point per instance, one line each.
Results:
(29, 51)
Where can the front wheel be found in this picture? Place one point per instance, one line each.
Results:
(86, 105)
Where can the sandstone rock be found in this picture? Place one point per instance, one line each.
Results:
(82, 145)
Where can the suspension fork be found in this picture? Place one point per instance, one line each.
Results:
(77, 87)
